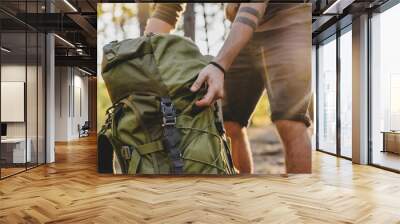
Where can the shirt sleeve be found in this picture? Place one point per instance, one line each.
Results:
(168, 12)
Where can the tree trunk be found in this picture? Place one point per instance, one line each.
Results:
(189, 21)
(143, 15)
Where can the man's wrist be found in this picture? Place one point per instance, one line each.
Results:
(218, 66)
(223, 63)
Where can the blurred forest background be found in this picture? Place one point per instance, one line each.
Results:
(206, 25)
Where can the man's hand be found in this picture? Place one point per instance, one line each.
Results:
(242, 29)
(215, 82)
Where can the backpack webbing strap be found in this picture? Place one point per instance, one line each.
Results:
(151, 147)
(171, 136)
(219, 123)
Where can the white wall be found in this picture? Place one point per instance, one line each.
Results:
(61, 103)
(80, 111)
(71, 94)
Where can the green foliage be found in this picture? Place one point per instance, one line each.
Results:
(103, 101)
(120, 21)
(261, 115)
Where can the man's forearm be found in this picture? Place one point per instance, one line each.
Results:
(164, 17)
(242, 30)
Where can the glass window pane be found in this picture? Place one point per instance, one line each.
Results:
(385, 84)
(22, 88)
(327, 96)
(346, 94)
(31, 97)
(13, 86)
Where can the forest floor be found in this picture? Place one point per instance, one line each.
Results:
(267, 150)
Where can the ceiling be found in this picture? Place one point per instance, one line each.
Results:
(332, 15)
(74, 22)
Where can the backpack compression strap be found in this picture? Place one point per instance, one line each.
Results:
(171, 136)
(219, 123)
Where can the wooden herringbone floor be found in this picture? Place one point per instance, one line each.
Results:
(70, 191)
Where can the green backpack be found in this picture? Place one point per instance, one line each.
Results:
(154, 126)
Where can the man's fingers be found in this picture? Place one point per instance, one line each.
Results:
(207, 99)
(198, 83)
(215, 80)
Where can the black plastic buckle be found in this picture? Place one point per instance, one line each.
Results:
(168, 121)
(168, 111)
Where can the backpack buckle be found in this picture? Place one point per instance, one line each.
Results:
(168, 121)
(126, 152)
(168, 112)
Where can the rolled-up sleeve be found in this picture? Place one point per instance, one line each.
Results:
(168, 12)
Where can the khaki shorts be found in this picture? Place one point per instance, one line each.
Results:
(278, 60)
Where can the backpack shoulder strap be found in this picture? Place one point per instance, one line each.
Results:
(104, 153)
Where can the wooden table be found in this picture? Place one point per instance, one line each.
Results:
(391, 141)
(13, 150)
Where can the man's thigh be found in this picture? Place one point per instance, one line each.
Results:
(285, 52)
(244, 85)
